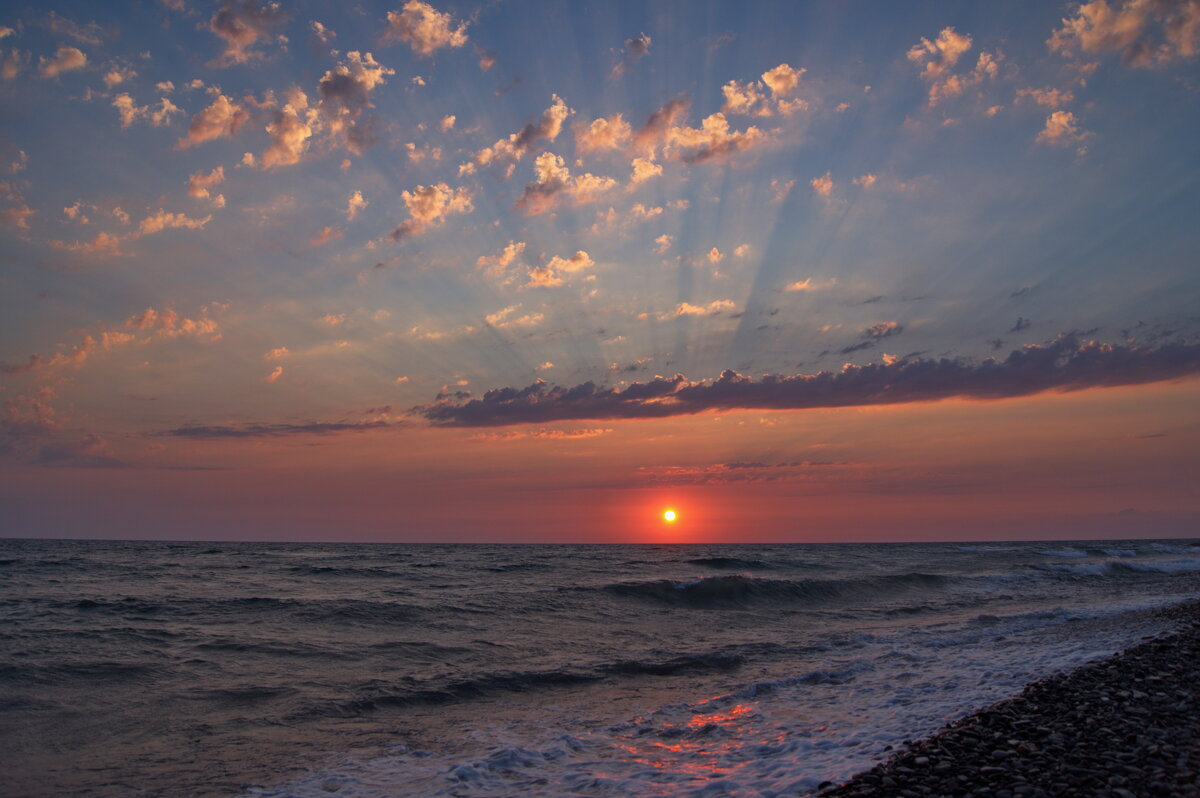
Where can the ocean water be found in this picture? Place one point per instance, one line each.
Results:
(248, 669)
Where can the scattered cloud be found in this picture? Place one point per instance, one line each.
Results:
(766, 97)
(424, 28)
(1145, 33)
(499, 263)
(157, 116)
(221, 119)
(809, 284)
(557, 269)
(1062, 130)
(1047, 97)
(643, 169)
(822, 186)
(199, 185)
(554, 182)
(241, 24)
(66, 59)
(507, 151)
(636, 49)
(611, 133)
(938, 59)
(353, 205)
(325, 235)
(429, 205)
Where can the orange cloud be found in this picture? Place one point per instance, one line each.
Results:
(65, 59)
(429, 206)
(424, 28)
(512, 148)
(1128, 29)
(222, 119)
(554, 272)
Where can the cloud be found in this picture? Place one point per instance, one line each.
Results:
(1048, 97)
(1062, 130)
(643, 169)
(610, 220)
(424, 28)
(663, 243)
(326, 234)
(715, 255)
(355, 204)
(164, 220)
(938, 59)
(498, 264)
(221, 119)
(429, 205)
(65, 59)
(12, 64)
(90, 451)
(766, 97)
(90, 33)
(1129, 29)
(506, 318)
(290, 133)
(808, 284)
(215, 432)
(866, 181)
(554, 272)
(711, 309)
(553, 181)
(884, 329)
(1064, 364)
(275, 374)
(610, 133)
(130, 112)
(118, 75)
(939, 56)
(648, 137)
(16, 216)
(512, 148)
(243, 23)
(345, 93)
(323, 34)
(635, 49)
(823, 185)
(199, 184)
(447, 123)
(714, 140)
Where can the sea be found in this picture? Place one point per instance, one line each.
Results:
(273, 670)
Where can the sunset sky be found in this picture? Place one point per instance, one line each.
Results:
(535, 271)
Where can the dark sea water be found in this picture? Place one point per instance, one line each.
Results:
(178, 669)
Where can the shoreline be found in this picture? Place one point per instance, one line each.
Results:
(1124, 726)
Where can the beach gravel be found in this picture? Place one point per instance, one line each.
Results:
(1126, 726)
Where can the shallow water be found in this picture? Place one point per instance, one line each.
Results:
(391, 670)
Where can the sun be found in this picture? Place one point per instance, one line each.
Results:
(669, 516)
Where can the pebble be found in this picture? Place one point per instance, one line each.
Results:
(1088, 732)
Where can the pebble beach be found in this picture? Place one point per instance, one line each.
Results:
(1125, 726)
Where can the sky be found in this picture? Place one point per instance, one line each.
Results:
(538, 271)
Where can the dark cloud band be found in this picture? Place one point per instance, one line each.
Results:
(1064, 364)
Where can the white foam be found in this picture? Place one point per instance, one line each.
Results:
(784, 736)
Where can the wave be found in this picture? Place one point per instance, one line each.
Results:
(1123, 568)
(332, 570)
(731, 563)
(739, 591)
